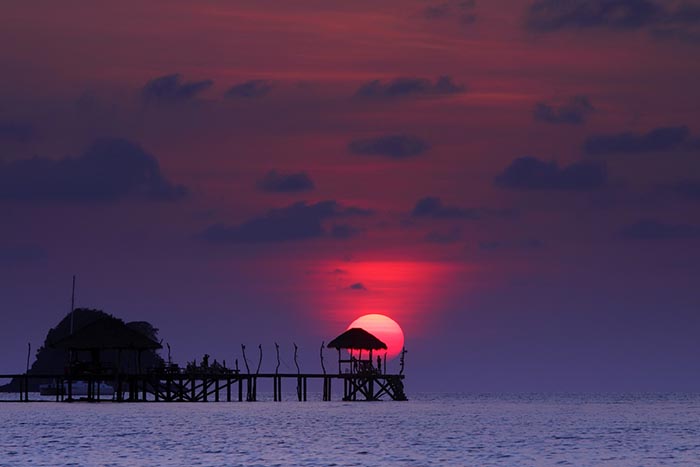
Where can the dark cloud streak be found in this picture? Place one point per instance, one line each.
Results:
(572, 112)
(649, 229)
(172, 89)
(663, 20)
(275, 182)
(298, 221)
(530, 173)
(669, 138)
(409, 87)
(462, 10)
(391, 146)
(253, 89)
(110, 169)
(433, 207)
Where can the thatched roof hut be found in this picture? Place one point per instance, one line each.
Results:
(358, 339)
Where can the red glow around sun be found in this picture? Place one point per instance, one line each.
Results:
(385, 329)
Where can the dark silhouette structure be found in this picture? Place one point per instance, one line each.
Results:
(156, 382)
(105, 334)
(51, 360)
(361, 375)
(356, 339)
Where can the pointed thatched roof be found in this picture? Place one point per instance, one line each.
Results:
(356, 338)
(106, 333)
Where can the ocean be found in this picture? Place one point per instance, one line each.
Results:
(429, 430)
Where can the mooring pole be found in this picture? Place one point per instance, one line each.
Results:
(298, 373)
(245, 360)
(323, 367)
(257, 370)
(277, 349)
(296, 363)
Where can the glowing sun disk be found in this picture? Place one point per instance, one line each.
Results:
(383, 328)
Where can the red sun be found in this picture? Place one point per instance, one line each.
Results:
(383, 328)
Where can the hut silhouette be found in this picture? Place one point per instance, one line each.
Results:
(104, 334)
(356, 339)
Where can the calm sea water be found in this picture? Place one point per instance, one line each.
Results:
(429, 430)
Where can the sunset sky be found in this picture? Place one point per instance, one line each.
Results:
(516, 183)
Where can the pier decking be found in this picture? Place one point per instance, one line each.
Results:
(215, 387)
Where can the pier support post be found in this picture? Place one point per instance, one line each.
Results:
(327, 388)
(118, 387)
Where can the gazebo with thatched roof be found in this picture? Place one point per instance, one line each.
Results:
(356, 339)
(106, 334)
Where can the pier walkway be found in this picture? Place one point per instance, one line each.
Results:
(203, 387)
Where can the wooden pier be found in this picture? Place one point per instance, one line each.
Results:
(214, 387)
(89, 379)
